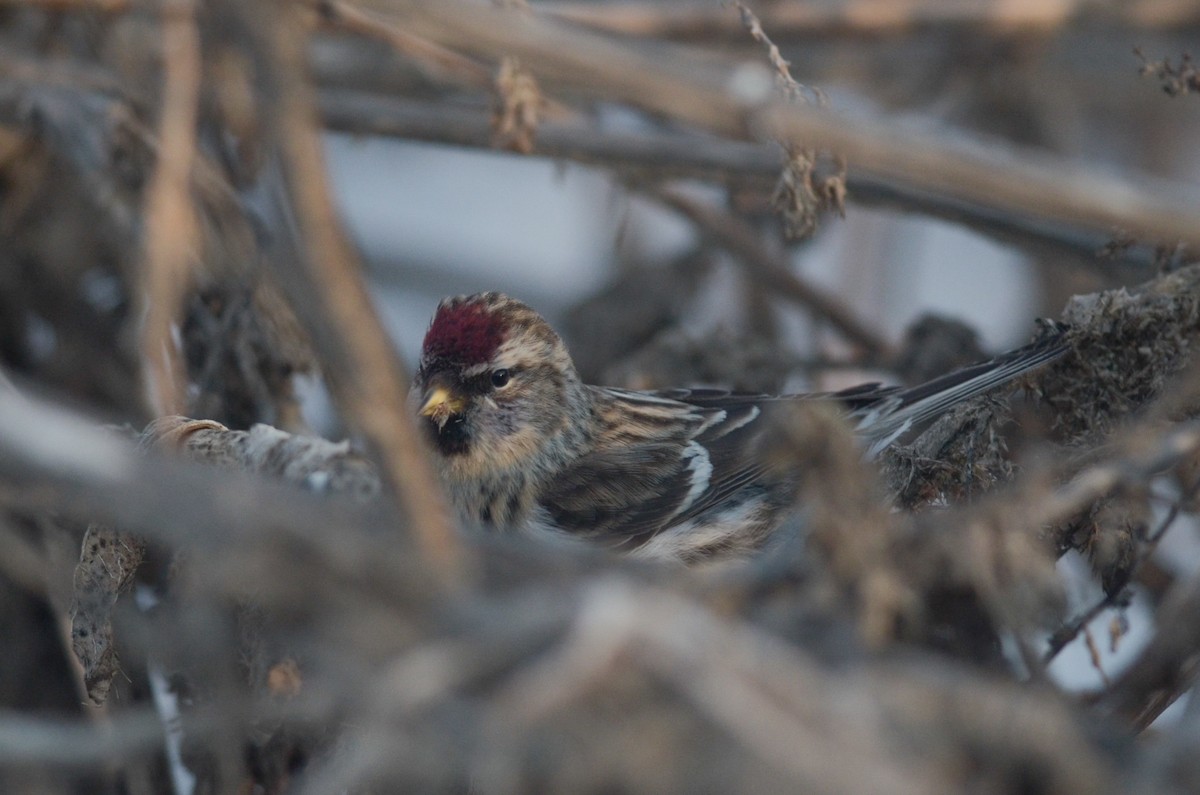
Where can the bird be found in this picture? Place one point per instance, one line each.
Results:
(522, 445)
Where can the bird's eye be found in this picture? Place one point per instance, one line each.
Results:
(500, 378)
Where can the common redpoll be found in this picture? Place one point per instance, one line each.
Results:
(523, 445)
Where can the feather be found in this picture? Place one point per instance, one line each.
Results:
(678, 463)
(674, 473)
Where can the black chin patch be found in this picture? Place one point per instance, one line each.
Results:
(452, 438)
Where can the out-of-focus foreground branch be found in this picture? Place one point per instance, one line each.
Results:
(345, 627)
(737, 103)
(262, 610)
(793, 18)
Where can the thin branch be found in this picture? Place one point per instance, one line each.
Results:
(662, 154)
(1167, 665)
(1063, 636)
(783, 69)
(439, 63)
(800, 195)
(734, 235)
(736, 102)
(1101, 480)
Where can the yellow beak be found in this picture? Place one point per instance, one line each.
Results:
(441, 404)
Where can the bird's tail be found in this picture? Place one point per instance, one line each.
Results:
(889, 417)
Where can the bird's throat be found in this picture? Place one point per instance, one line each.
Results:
(451, 439)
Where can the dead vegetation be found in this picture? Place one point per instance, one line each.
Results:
(215, 605)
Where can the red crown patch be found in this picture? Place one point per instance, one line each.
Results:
(465, 333)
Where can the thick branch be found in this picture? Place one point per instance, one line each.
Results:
(170, 235)
(321, 271)
(674, 154)
(27, 740)
(738, 103)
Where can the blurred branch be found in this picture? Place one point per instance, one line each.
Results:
(660, 154)
(21, 562)
(1029, 224)
(89, 474)
(170, 223)
(1169, 663)
(738, 238)
(106, 6)
(1063, 636)
(799, 19)
(736, 102)
(785, 711)
(795, 19)
(321, 271)
(1150, 455)
(84, 117)
(437, 62)
(532, 656)
(27, 740)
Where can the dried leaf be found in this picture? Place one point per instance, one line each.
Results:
(515, 120)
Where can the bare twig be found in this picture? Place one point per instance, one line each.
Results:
(439, 62)
(783, 71)
(799, 195)
(1168, 664)
(737, 103)
(1062, 637)
(736, 237)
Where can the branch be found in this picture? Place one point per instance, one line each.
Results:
(170, 236)
(1063, 636)
(740, 240)
(322, 273)
(529, 658)
(436, 62)
(26, 740)
(736, 102)
(1167, 666)
(868, 18)
(660, 154)
(87, 473)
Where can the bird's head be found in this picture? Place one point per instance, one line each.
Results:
(495, 384)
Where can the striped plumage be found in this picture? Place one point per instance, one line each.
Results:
(523, 445)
